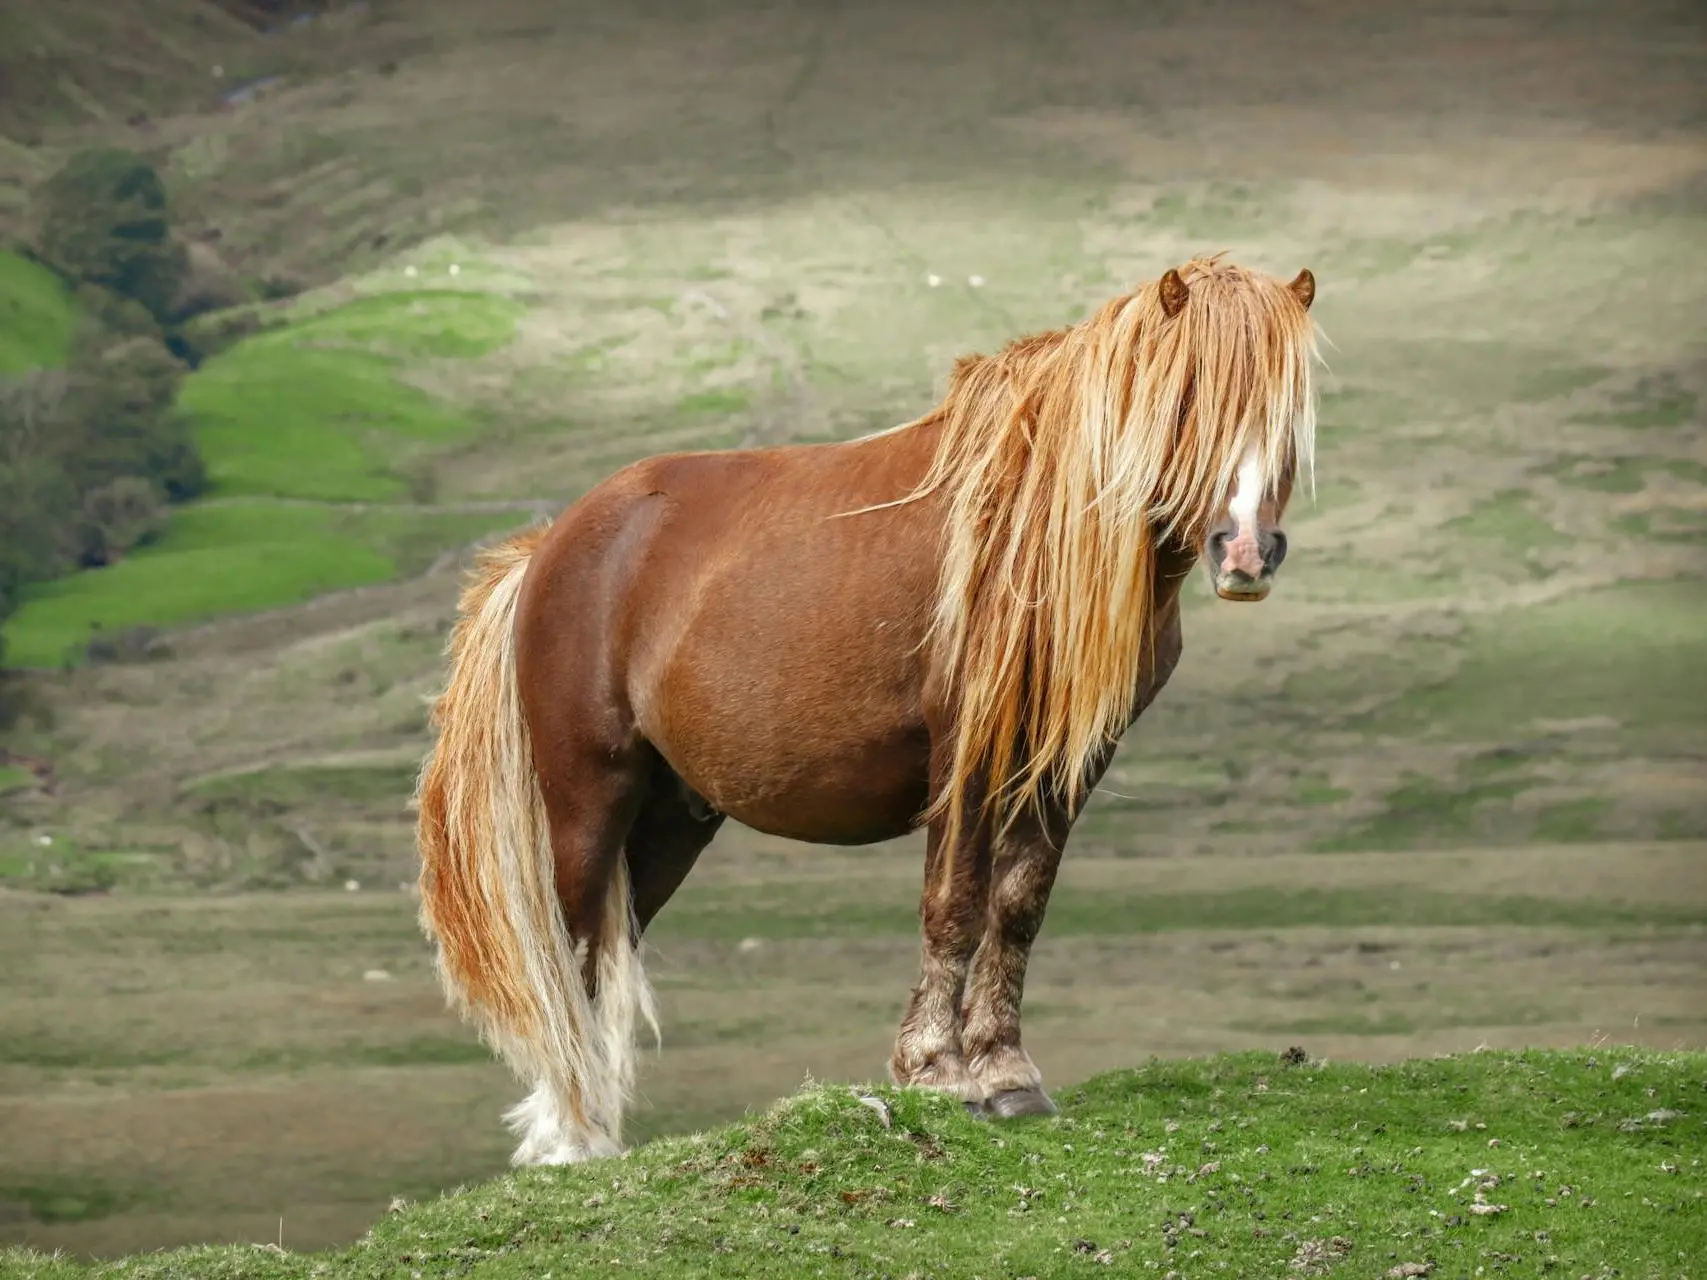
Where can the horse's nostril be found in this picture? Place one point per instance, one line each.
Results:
(1276, 551)
(1217, 548)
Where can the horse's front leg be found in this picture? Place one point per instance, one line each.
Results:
(952, 912)
(1025, 865)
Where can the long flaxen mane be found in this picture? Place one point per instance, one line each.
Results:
(1065, 461)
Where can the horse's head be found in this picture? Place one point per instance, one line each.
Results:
(1243, 545)
(1246, 546)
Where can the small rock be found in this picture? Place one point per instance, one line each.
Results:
(879, 1106)
(1409, 1270)
(351, 886)
(411, 271)
(748, 945)
(977, 282)
(376, 975)
(933, 279)
(455, 269)
(44, 841)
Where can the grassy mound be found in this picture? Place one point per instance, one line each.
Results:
(1496, 1163)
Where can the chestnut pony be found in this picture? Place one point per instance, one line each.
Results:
(947, 624)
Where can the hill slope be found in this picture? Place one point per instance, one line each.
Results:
(1585, 1163)
(1443, 789)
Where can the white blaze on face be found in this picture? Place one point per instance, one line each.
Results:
(1247, 496)
(1242, 553)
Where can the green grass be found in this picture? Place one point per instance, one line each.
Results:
(1669, 524)
(319, 410)
(1510, 520)
(232, 558)
(785, 911)
(1658, 401)
(316, 410)
(421, 323)
(36, 316)
(1532, 1163)
(1635, 653)
(284, 786)
(1622, 475)
(1423, 812)
(67, 866)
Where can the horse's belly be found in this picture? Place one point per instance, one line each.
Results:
(804, 784)
(777, 662)
(786, 739)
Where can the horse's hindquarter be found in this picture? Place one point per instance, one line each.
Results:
(774, 649)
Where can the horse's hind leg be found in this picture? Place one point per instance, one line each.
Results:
(673, 828)
(627, 814)
(1025, 866)
(928, 1050)
(591, 796)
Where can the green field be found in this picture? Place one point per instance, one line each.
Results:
(317, 411)
(36, 316)
(221, 558)
(1256, 1164)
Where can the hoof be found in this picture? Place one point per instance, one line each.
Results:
(1019, 1102)
(976, 1109)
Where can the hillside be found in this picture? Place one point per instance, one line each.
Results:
(1476, 640)
(1441, 790)
(1584, 1163)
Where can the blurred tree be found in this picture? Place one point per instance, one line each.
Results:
(36, 494)
(103, 218)
(88, 456)
(121, 514)
(119, 418)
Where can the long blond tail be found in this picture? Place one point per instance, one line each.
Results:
(489, 895)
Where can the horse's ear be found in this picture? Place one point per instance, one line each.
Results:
(1303, 287)
(1173, 293)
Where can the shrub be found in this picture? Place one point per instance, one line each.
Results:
(120, 419)
(103, 218)
(117, 516)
